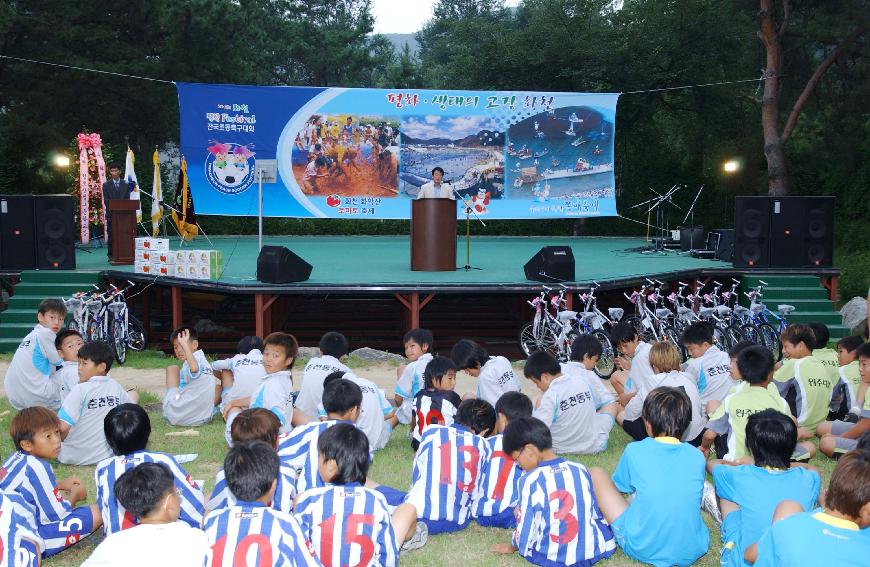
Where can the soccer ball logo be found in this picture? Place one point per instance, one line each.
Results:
(229, 167)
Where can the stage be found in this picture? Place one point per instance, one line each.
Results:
(363, 286)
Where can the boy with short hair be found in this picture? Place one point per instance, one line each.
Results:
(418, 343)
(36, 434)
(569, 407)
(333, 349)
(494, 374)
(28, 381)
(500, 475)
(376, 414)
(838, 437)
(827, 356)
(633, 362)
(344, 503)
(149, 492)
(192, 391)
(558, 519)
(755, 364)
(251, 471)
(586, 351)
(833, 535)
(709, 367)
(68, 342)
(239, 377)
(662, 525)
(275, 392)
(127, 428)
(86, 406)
(256, 424)
(749, 493)
(802, 380)
(848, 396)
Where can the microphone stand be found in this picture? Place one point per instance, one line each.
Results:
(468, 212)
(692, 227)
(166, 205)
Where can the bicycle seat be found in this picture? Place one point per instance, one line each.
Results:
(116, 307)
(723, 310)
(740, 310)
(589, 316)
(683, 310)
(784, 310)
(616, 313)
(758, 308)
(73, 304)
(567, 315)
(663, 313)
(706, 311)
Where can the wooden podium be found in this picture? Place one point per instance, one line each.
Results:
(433, 235)
(123, 237)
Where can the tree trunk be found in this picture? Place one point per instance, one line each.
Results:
(777, 170)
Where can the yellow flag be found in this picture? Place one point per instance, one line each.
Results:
(157, 196)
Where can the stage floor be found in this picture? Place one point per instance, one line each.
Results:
(383, 262)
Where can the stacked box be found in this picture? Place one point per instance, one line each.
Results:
(143, 255)
(155, 244)
(140, 267)
(192, 264)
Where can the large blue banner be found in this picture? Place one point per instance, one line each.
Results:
(365, 153)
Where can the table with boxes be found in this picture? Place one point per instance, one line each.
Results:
(153, 256)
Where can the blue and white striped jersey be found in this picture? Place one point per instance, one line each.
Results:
(249, 533)
(285, 491)
(348, 525)
(446, 473)
(32, 478)
(299, 452)
(17, 525)
(558, 520)
(116, 517)
(499, 481)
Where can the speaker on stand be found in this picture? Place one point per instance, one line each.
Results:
(752, 232)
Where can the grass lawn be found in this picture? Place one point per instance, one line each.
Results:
(392, 466)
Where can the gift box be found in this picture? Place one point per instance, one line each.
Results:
(159, 268)
(148, 243)
(143, 255)
(140, 267)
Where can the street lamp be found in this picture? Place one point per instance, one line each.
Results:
(61, 160)
(731, 166)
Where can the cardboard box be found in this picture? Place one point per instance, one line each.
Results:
(163, 257)
(143, 255)
(178, 257)
(142, 267)
(159, 268)
(148, 243)
(178, 270)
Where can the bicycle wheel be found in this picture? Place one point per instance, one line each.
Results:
(770, 338)
(137, 340)
(604, 366)
(720, 338)
(750, 331)
(530, 343)
(119, 342)
(670, 334)
(644, 333)
(733, 335)
(94, 331)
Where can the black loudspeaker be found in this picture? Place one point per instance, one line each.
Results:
(724, 243)
(17, 241)
(752, 232)
(55, 239)
(277, 264)
(802, 232)
(691, 238)
(551, 264)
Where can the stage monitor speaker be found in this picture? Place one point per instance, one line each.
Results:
(752, 232)
(551, 264)
(277, 264)
(724, 243)
(802, 231)
(55, 237)
(691, 238)
(17, 240)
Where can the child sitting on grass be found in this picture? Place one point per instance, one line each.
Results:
(127, 428)
(36, 434)
(418, 343)
(749, 493)
(192, 391)
(438, 401)
(662, 524)
(446, 472)
(633, 363)
(86, 406)
(239, 376)
(494, 374)
(838, 437)
(275, 392)
(558, 519)
(708, 367)
(344, 503)
(500, 476)
(333, 349)
(849, 393)
(28, 381)
(586, 351)
(68, 343)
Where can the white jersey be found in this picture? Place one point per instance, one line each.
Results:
(640, 369)
(409, 383)
(568, 407)
(499, 481)
(28, 379)
(315, 372)
(602, 395)
(248, 373)
(299, 452)
(373, 408)
(445, 479)
(67, 377)
(558, 520)
(285, 491)
(712, 374)
(33, 480)
(18, 526)
(84, 410)
(149, 545)
(348, 525)
(192, 403)
(116, 518)
(496, 377)
(275, 394)
(673, 379)
(249, 533)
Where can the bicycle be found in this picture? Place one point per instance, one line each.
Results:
(75, 306)
(593, 322)
(719, 316)
(653, 325)
(124, 329)
(541, 333)
(759, 329)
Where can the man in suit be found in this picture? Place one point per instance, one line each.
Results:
(436, 188)
(113, 189)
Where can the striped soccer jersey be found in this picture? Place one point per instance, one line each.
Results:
(285, 491)
(434, 407)
(348, 525)
(499, 484)
(299, 452)
(558, 520)
(446, 474)
(18, 533)
(249, 533)
(116, 518)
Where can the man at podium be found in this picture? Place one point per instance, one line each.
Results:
(436, 188)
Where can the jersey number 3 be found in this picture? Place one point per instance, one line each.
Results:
(567, 521)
